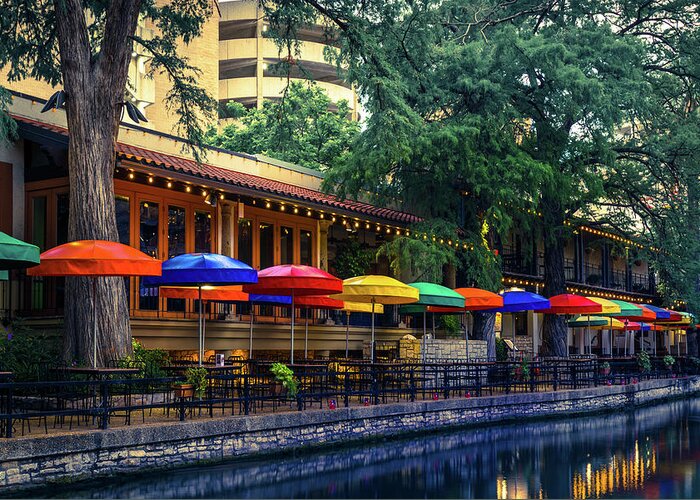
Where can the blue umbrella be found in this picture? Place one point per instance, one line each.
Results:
(517, 300)
(202, 269)
(279, 300)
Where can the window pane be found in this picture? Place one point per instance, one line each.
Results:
(39, 222)
(123, 210)
(267, 245)
(176, 231)
(202, 231)
(287, 245)
(61, 218)
(148, 240)
(245, 241)
(305, 248)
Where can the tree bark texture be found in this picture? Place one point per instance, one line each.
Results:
(484, 329)
(94, 85)
(554, 336)
(692, 336)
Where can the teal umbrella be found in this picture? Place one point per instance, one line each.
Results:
(16, 254)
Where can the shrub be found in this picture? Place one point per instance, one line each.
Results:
(149, 361)
(501, 350)
(669, 361)
(643, 362)
(27, 353)
(197, 376)
(451, 324)
(285, 376)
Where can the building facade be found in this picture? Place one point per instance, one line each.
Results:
(256, 209)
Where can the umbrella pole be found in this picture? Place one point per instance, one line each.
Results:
(347, 333)
(306, 336)
(250, 340)
(94, 322)
(424, 339)
(201, 344)
(291, 354)
(372, 345)
(466, 335)
(512, 320)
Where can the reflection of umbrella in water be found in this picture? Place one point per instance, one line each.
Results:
(94, 259)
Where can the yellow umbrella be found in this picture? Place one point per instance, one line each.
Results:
(609, 307)
(376, 289)
(356, 307)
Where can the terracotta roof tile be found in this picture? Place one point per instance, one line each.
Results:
(201, 170)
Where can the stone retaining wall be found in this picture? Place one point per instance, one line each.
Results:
(33, 461)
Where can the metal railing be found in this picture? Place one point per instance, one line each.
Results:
(248, 387)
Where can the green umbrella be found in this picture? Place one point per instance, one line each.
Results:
(584, 321)
(626, 309)
(432, 294)
(16, 254)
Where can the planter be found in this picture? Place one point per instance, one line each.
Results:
(605, 372)
(278, 389)
(183, 391)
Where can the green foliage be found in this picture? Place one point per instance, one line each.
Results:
(643, 362)
(669, 361)
(522, 371)
(420, 257)
(197, 377)
(301, 128)
(501, 350)
(452, 325)
(27, 352)
(285, 376)
(149, 361)
(352, 258)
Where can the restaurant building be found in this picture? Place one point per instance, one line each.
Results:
(253, 208)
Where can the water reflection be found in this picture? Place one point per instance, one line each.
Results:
(653, 452)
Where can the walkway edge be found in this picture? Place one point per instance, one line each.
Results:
(34, 461)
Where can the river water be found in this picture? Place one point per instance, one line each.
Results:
(653, 452)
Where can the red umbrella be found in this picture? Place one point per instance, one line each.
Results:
(568, 303)
(315, 302)
(295, 281)
(94, 258)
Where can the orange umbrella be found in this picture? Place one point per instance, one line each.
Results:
(475, 299)
(94, 258)
(230, 293)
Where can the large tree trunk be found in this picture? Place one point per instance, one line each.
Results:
(484, 329)
(692, 336)
(554, 337)
(94, 87)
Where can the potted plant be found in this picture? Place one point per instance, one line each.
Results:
(522, 372)
(669, 361)
(605, 368)
(285, 379)
(195, 384)
(643, 362)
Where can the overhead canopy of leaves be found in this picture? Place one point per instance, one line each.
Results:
(484, 113)
(304, 127)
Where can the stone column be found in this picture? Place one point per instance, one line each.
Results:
(227, 234)
(323, 226)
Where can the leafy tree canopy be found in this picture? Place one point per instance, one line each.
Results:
(304, 127)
